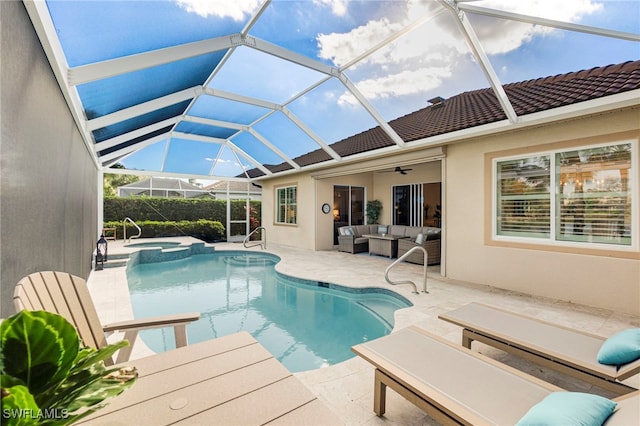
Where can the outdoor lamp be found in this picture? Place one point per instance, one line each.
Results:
(101, 251)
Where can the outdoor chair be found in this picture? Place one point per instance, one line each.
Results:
(454, 385)
(68, 296)
(563, 349)
(430, 242)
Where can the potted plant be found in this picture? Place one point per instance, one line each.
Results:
(374, 207)
(47, 377)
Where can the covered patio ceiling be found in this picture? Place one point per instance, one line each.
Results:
(212, 89)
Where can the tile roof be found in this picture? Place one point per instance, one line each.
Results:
(478, 107)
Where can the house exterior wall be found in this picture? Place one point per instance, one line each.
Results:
(48, 182)
(596, 279)
(593, 278)
(302, 233)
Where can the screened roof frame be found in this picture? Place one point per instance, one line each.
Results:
(70, 77)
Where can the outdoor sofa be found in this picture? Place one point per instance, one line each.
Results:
(351, 240)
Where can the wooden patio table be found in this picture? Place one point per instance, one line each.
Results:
(384, 244)
(229, 380)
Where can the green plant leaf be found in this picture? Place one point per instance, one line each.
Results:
(46, 368)
(89, 383)
(18, 406)
(105, 387)
(87, 356)
(39, 348)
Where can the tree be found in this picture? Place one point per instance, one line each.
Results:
(113, 181)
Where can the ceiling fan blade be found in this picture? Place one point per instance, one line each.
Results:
(397, 169)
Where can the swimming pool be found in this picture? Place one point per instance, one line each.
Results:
(305, 324)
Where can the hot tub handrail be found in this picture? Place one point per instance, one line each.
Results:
(400, 259)
(263, 241)
(124, 229)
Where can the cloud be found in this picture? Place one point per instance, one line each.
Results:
(340, 48)
(501, 36)
(399, 84)
(338, 7)
(430, 51)
(235, 9)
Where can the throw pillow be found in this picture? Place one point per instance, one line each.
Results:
(382, 229)
(569, 408)
(433, 234)
(621, 348)
(348, 231)
(420, 239)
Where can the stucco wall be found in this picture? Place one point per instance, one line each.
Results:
(595, 280)
(48, 182)
(302, 233)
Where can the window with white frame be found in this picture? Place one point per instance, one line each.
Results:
(286, 205)
(579, 196)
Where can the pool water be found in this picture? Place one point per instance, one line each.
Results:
(305, 325)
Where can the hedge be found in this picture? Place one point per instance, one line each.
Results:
(206, 230)
(175, 209)
(169, 217)
(163, 209)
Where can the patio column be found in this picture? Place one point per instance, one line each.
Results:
(100, 202)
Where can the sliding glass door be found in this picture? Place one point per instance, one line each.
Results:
(348, 207)
(417, 204)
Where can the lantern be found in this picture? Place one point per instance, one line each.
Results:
(101, 252)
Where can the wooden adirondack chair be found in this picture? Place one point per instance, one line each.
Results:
(68, 296)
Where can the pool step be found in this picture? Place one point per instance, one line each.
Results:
(249, 260)
(116, 260)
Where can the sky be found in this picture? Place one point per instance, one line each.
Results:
(432, 59)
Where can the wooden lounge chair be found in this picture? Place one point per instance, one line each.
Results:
(566, 350)
(67, 295)
(457, 386)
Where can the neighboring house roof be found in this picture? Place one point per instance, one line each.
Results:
(163, 184)
(478, 107)
(234, 187)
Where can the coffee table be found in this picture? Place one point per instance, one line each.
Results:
(384, 244)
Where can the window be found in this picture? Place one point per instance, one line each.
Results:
(523, 208)
(581, 196)
(286, 206)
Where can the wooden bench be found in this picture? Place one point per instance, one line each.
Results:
(107, 233)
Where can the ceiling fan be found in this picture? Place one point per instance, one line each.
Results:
(398, 169)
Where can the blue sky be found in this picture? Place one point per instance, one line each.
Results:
(431, 60)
